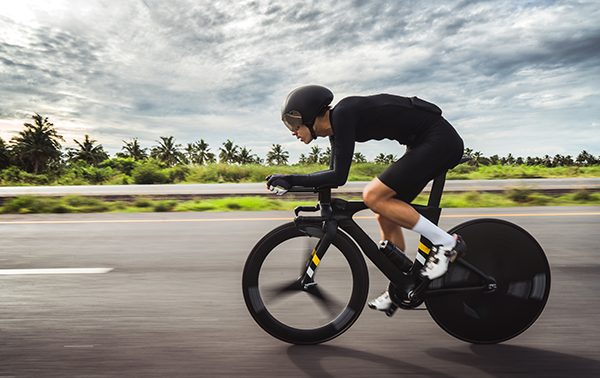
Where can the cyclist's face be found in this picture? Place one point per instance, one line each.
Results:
(303, 133)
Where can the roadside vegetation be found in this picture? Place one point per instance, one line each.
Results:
(35, 157)
(79, 204)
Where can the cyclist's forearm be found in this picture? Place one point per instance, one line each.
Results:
(329, 177)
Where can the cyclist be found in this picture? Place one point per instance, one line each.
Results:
(433, 146)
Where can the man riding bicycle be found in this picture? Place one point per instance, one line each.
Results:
(433, 146)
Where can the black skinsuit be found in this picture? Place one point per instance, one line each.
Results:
(432, 143)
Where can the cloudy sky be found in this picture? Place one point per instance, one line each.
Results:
(520, 77)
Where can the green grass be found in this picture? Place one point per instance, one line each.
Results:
(79, 204)
(491, 172)
(221, 173)
(514, 198)
(226, 173)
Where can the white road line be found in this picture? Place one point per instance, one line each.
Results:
(4, 272)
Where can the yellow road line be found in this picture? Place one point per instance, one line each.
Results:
(517, 215)
(274, 219)
(147, 220)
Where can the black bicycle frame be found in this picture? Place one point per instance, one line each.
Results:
(337, 213)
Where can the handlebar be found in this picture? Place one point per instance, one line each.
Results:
(306, 189)
(323, 190)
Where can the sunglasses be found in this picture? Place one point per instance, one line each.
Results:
(293, 121)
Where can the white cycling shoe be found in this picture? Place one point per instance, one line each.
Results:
(382, 302)
(441, 257)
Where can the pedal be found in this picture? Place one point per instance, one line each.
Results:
(460, 247)
(391, 311)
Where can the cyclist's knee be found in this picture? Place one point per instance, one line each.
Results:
(370, 197)
(375, 193)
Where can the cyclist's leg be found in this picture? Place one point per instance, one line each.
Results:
(401, 214)
(396, 214)
(390, 194)
(391, 231)
(383, 200)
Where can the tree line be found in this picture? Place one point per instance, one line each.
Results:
(584, 159)
(38, 148)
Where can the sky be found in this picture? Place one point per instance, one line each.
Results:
(520, 77)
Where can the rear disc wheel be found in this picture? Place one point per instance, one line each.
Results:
(520, 269)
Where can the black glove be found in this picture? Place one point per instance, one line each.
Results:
(279, 184)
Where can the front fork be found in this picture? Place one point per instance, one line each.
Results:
(307, 279)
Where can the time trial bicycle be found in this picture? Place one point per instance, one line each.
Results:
(310, 296)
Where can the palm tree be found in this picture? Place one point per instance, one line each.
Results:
(326, 156)
(277, 155)
(568, 160)
(198, 153)
(257, 160)
(390, 158)
(384, 159)
(302, 159)
(38, 144)
(547, 161)
(476, 158)
(510, 159)
(586, 159)
(4, 154)
(88, 152)
(203, 154)
(229, 153)
(380, 159)
(359, 158)
(315, 154)
(190, 153)
(167, 151)
(244, 157)
(133, 150)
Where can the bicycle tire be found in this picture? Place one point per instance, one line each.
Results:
(298, 321)
(520, 268)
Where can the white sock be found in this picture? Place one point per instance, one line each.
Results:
(435, 234)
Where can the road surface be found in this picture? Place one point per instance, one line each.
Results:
(556, 185)
(159, 295)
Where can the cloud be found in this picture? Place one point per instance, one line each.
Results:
(219, 70)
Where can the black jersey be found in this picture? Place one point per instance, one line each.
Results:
(359, 119)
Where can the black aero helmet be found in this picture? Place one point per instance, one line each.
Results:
(302, 106)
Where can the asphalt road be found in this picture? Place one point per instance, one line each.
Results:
(170, 304)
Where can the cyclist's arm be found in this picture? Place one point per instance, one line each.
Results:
(342, 151)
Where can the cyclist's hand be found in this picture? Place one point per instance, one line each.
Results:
(279, 184)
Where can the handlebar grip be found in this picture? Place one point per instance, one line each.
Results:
(303, 219)
(300, 209)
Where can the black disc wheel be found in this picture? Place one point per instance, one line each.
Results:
(510, 302)
(304, 312)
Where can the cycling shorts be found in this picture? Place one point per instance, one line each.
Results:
(440, 149)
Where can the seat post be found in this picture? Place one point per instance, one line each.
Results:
(435, 196)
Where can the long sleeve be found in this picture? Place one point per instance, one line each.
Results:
(342, 150)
